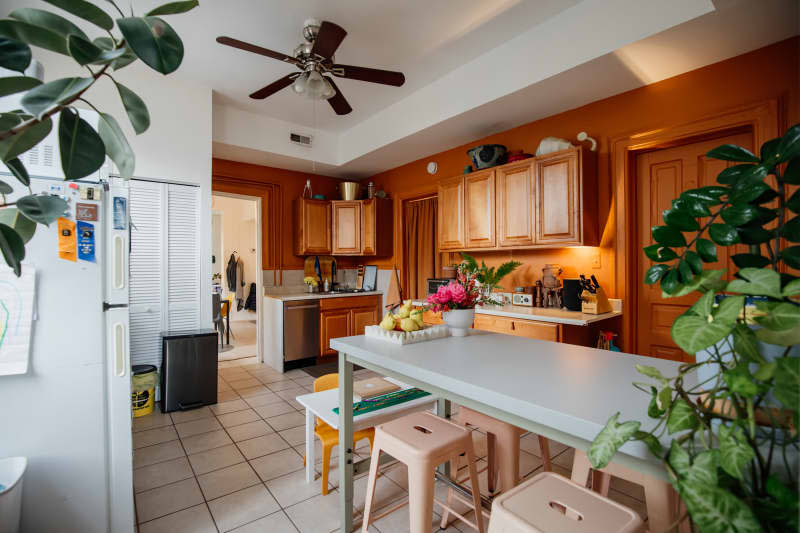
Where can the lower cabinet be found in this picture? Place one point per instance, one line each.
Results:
(533, 329)
(344, 317)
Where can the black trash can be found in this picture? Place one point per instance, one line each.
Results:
(188, 369)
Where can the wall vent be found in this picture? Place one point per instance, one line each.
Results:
(299, 138)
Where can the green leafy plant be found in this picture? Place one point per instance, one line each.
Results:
(488, 277)
(83, 149)
(730, 418)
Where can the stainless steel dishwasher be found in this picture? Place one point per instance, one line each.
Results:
(300, 329)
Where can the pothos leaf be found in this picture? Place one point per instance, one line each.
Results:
(735, 453)
(681, 417)
(787, 382)
(609, 440)
(717, 510)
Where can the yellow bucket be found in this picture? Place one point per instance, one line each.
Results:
(143, 389)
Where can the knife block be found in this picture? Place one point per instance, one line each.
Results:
(597, 303)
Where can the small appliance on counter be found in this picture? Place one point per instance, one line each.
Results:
(573, 288)
(435, 283)
(552, 295)
(523, 296)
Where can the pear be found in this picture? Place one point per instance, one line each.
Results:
(416, 315)
(388, 322)
(409, 324)
(403, 312)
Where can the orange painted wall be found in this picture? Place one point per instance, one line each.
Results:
(772, 72)
(291, 186)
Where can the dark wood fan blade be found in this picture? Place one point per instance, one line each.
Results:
(329, 37)
(338, 101)
(373, 75)
(274, 87)
(230, 41)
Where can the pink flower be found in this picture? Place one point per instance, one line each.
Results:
(443, 295)
(457, 293)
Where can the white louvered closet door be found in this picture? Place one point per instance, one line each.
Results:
(165, 264)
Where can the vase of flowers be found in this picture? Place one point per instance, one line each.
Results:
(457, 300)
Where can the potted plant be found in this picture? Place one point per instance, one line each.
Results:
(730, 419)
(472, 286)
(83, 147)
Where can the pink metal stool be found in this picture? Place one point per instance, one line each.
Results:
(550, 503)
(503, 447)
(422, 441)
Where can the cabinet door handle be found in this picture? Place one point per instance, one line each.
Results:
(513, 327)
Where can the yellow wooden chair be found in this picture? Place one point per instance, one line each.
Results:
(328, 436)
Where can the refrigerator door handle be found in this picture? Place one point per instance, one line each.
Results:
(120, 352)
(119, 262)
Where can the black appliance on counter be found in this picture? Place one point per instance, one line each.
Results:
(572, 294)
(188, 369)
(435, 283)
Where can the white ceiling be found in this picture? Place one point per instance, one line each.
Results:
(473, 67)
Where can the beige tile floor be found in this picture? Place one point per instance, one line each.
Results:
(238, 465)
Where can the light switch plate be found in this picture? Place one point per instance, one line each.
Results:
(596, 260)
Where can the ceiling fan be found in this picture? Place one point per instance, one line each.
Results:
(314, 58)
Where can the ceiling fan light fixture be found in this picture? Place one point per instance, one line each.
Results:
(315, 85)
(329, 91)
(299, 85)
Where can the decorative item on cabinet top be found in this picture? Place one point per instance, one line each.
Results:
(343, 227)
(487, 155)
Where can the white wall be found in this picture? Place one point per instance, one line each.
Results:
(239, 233)
(46, 415)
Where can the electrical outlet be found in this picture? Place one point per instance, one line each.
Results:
(596, 260)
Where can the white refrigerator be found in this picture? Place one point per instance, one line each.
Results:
(70, 414)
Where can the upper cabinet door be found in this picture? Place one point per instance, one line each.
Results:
(451, 214)
(557, 192)
(346, 227)
(312, 227)
(515, 205)
(479, 206)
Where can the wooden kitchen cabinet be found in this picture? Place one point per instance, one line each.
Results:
(362, 227)
(377, 227)
(515, 225)
(312, 227)
(334, 323)
(565, 203)
(532, 329)
(344, 317)
(450, 214)
(543, 202)
(346, 227)
(479, 209)
(363, 317)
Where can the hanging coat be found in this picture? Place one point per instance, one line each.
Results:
(240, 283)
(230, 273)
(250, 304)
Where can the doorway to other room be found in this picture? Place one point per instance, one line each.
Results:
(236, 273)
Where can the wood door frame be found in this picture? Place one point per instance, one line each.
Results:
(272, 215)
(761, 118)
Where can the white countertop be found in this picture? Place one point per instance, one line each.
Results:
(571, 389)
(316, 295)
(545, 314)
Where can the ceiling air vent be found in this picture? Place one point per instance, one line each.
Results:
(302, 140)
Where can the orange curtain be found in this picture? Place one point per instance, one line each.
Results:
(422, 261)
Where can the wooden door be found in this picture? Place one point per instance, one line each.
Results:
(479, 207)
(661, 176)
(369, 216)
(515, 205)
(557, 192)
(334, 323)
(363, 317)
(450, 214)
(312, 226)
(346, 227)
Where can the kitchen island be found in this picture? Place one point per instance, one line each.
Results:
(560, 391)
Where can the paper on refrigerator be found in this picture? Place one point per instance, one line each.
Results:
(17, 299)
